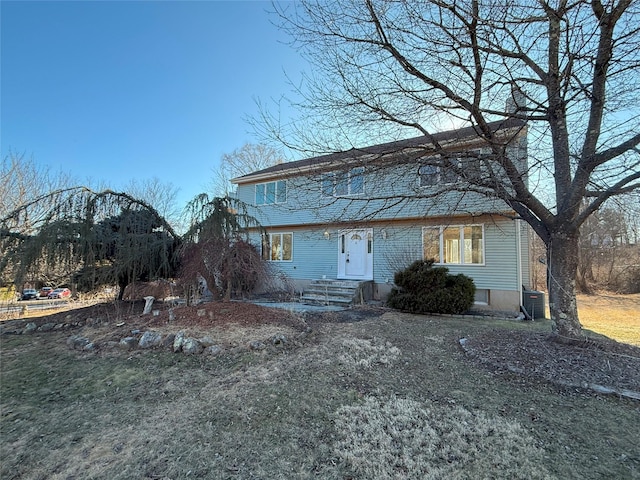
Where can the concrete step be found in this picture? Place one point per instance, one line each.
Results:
(316, 299)
(332, 292)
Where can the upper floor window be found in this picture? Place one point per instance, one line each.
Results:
(271, 192)
(338, 184)
(451, 170)
(454, 244)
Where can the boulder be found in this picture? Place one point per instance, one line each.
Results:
(77, 342)
(257, 345)
(191, 346)
(279, 339)
(30, 328)
(127, 343)
(213, 350)
(178, 341)
(207, 341)
(150, 339)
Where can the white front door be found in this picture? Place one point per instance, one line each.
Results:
(355, 257)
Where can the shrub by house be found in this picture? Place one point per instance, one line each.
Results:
(423, 288)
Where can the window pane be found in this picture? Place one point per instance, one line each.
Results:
(431, 243)
(266, 249)
(287, 246)
(428, 175)
(281, 192)
(260, 194)
(271, 193)
(327, 184)
(276, 247)
(342, 183)
(357, 181)
(451, 244)
(473, 244)
(472, 168)
(447, 175)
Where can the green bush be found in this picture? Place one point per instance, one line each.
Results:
(423, 288)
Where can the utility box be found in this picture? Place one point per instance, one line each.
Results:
(533, 302)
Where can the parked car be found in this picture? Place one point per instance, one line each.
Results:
(60, 293)
(29, 294)
(45, 291)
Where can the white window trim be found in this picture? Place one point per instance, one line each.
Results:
(461, 253)
(286, 192)
(281, 235)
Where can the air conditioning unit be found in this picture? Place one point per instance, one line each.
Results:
(533, 302)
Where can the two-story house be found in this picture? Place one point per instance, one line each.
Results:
(364, 214)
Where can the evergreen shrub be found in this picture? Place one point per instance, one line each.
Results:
(423, 288)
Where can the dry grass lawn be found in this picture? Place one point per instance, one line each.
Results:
(385, 396)
(615, 316)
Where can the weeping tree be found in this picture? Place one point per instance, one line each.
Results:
(216, 247)
(568, 70)
(92, 238)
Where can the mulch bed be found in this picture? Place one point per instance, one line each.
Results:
(601, 365)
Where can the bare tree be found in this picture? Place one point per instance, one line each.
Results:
(161, 195)
(243, 160)
(23, 180)
(608, 250)
(568, 70)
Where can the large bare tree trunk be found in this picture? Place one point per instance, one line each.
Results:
(562, 261)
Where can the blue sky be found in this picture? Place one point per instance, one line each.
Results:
(112, 91)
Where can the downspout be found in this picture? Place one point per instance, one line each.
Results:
(519, 263)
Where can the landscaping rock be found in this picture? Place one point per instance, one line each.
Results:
(150, 339)
(213, 350)
(191, 346)
(257, 345)
(77, 342)
(207, 341)
(127, 343)
(12, 327)
(46, 327)
(279, 339)
(30, 328)
(177, 342)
